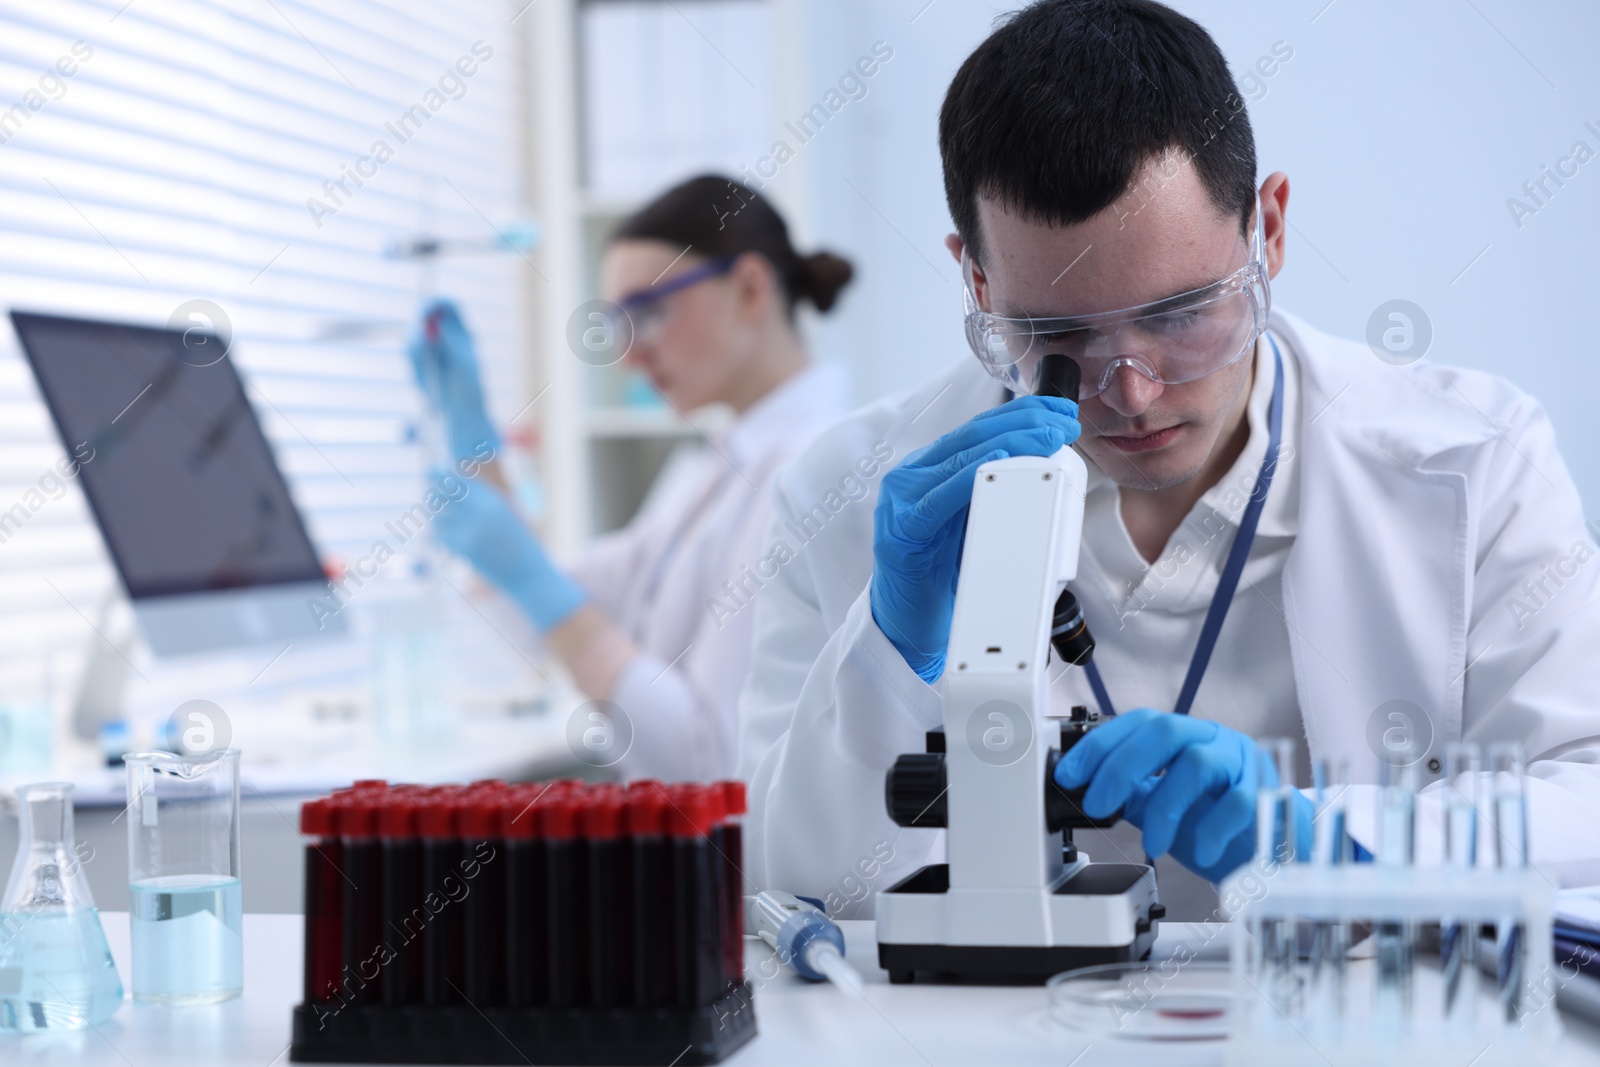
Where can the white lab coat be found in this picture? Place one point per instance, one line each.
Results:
(1429, 497)
(660, 578)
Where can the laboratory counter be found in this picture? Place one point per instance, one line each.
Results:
(800, 1024)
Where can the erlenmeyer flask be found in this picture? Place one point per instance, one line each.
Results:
(55, 967)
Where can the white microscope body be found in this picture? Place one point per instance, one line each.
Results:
(1016, 901)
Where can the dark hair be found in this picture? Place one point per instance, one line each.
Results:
(716, 216)
(1057, 109)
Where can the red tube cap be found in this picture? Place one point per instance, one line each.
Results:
(689, 811)
(602, 817)
(645, 813)
(356, 814)
(397, 817)
(519, 814)
(479, 818)
(558, 814)
(436, 817)
(734, 797)
(316, 818)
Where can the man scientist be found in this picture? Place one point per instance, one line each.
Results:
(1101, 172)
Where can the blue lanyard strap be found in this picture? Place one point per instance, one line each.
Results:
(1229, 582)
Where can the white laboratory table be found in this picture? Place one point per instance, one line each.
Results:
(800, 1024)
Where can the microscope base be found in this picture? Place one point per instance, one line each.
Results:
(920, 922)
(1030, 964)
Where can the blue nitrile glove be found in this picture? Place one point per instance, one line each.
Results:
(922, 517)
(1189, 784)
(445, 363)
(479, 526)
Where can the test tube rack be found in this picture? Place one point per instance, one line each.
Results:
(536, 923)
(1294, 1007)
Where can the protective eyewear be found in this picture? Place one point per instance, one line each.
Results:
(641, 312)
(1173, 340)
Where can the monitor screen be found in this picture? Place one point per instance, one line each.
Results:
(173, 462)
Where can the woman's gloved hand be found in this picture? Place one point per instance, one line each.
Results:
(445, 363)
(921, 519)
(1189, 784)
(480, 527)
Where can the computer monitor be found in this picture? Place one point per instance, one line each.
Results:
(181, 481)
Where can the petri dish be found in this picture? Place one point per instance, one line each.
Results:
(1161, 1000)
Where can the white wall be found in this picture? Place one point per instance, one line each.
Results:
(1404, 129)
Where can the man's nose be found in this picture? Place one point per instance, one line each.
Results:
(1130, 393)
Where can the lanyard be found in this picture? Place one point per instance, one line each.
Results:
(1229, 581)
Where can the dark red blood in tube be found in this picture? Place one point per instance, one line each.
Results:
(324, 903)
(651, 929)
(565, 912)
(521, 829)
(601, 827)
(443, 950)
(731, 855)
(357, 821)
(404, 917)
(697, 915)
(483, 869)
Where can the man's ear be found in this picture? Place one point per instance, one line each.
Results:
(980, 284)
(1274, 201)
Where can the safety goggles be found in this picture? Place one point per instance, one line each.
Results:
(641, 313)
(1176, 339)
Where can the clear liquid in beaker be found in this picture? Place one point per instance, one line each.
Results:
(55, 971)
(188, 939)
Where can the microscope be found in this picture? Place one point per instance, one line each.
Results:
(1016, 901)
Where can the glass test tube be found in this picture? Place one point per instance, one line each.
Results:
(1330, 848)
(1276, 948)
(1508, 793)
(1457, 939)
(1394, 935)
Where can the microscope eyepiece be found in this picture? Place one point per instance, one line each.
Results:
(1069, 634)
(1057, 375)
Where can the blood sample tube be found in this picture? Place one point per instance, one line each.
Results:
(361, 785)
(404, 917)
(600, 824)
(730, 851)
(565, 898)
(654, 951)
(324, 903)
(442, 940)
(520, 829)
(697, 919)
(357, 821)
(483, 909)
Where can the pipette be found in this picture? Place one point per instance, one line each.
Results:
(803, 936)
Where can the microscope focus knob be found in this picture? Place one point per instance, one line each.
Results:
(915, 790)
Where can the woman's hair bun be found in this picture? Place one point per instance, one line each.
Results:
(825, 275)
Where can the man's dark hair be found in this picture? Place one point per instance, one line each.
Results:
(1056, 111)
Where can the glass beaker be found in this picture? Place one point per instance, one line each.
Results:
(186, 905)
(55, 967)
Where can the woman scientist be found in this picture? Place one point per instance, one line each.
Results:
(644, 618)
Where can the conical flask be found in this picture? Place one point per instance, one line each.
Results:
(55, 967)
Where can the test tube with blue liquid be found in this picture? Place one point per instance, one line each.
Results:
(1394, 937)
(186, 902)
(1330, 849)
(1277, 940)
(1509, 810)
(1458, 939)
